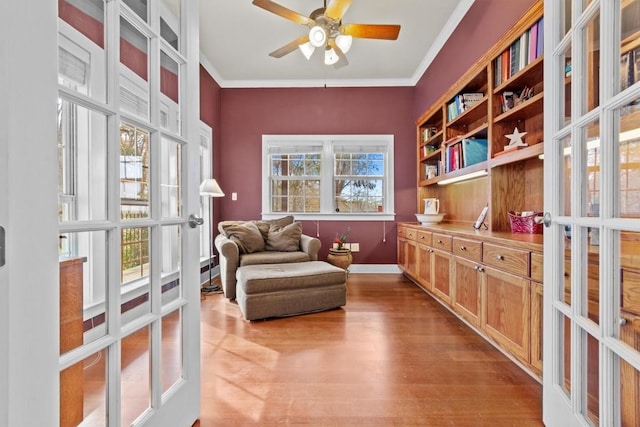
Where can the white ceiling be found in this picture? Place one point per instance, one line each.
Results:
(236, 38)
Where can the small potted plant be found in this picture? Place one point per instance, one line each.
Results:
(339, 255)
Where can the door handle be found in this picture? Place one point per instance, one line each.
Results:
(195, 221)
(546, 219)
(2, 251)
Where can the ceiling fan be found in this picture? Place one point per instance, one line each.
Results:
(327, 31)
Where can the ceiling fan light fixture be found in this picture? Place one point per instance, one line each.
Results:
(317, 36)
(307, 49)
(330, 56)
(344, 42)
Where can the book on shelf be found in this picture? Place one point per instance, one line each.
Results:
(636, 64)
(474, 150)
(524, 50)
(462, 102)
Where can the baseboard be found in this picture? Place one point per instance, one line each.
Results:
(375, 268)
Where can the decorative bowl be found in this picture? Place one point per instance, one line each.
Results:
(426, 219)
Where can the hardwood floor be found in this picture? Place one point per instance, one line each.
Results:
(391, 357)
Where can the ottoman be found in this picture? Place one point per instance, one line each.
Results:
(275, 290)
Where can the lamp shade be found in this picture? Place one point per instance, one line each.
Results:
(210, 188)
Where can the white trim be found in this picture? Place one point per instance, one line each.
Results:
(375, 268)
(326, 174)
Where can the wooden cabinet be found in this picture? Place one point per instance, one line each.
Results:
(71, 336)
(491, 280)
(467, 287)
(506, 305)
(467, 129)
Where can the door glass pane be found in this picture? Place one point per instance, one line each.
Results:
(591, 144)
(82, 163)
(171, 357)
(566, 16)
(591, 40)
(135, 365)
(566, 296)
(567, 175)
(135, 254)
(592, 366)
(170, 22)
(629, 46)
(170, 191)
(83, 283)
(568, 77)
(170, 87)
(171, 251)
(83, 398)
(564, 354)
(81, 66)
(139, 7)
(134, 172)
(629, 251)
(630, 376)
(629, 161)
(134, 82)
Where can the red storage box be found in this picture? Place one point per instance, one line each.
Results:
(524, 224)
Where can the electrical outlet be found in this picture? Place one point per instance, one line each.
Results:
(355, 247)
(234, 196)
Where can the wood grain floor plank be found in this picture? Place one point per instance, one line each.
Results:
(391, 357)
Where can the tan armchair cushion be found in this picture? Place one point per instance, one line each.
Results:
(284, 239)
(246, 235)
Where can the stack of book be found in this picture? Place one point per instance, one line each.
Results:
(464, 153)
(462, 102)
(520, 53)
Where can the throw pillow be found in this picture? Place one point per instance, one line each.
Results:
(246, 235)
(264, 225)
(284, 239)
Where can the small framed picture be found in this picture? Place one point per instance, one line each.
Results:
(480, 221)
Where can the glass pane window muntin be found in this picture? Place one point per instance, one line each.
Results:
(135, 146)
(355, 173)
(82, 163)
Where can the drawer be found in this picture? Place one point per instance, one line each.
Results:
(465, 248)
(515, 261)
(442, 242)
(412, 234)
(536, 266)
(424, 237)
(402, 231)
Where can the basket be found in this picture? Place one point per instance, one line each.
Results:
(525, 224)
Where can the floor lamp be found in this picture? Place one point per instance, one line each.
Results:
(210, 189)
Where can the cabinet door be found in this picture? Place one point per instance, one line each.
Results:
(506, 300)
(466, 286)
(442, 275)
(536, 327)
(425, 266)
(402, 253)
(412, 259)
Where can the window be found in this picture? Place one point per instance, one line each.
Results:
(328, 176)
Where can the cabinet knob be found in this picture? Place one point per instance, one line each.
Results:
(500, 257)
(463, 248)
(622, 321)
(480, 269)
(430, 250)
(439, 241)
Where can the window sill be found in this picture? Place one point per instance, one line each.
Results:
(333, 216)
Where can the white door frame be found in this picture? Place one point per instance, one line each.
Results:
(28, 211)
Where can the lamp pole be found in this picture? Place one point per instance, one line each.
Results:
(210, 188)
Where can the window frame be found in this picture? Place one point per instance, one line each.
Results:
(327, 177)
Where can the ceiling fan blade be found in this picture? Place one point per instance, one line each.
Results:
(371, 31)
(289, 47)
(342, 58)
(337, 8)
(289, 14)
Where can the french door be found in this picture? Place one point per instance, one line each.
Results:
(591, 372)
(99, 171)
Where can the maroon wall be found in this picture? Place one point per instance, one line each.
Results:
(485, 22)
(247, 114)
(210, 114)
